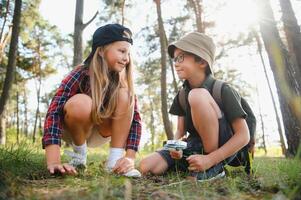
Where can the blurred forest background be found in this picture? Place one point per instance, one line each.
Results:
(258, 52)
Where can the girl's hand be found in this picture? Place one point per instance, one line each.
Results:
(176, 154)
(61, 168)
(123, 165)
(199, 162)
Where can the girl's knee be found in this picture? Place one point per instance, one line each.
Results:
(78, 108)
(198, 95)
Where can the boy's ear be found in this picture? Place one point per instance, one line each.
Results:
(202, 62)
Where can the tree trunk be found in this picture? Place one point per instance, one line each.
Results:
(174, 80)
(292, 31)
(79, 27)
(262, 122)
(198, 11)
(4, 19)
(17, 113)
(78, 33)
(287, 87)
(281, 134)
(122, 12)
(39, 74)
(152, 126)
(11, 63)
(25, 113)
(166, 122)
(37, 114)
(11, 56)
(2, 129)
(40, 125)
(4, 41)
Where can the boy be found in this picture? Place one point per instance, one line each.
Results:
(215, 134)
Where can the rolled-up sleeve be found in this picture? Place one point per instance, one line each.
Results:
(176, 108)
(55, 114)
(133, 139)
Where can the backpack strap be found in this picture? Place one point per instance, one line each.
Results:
(182, 99)
(217, 92)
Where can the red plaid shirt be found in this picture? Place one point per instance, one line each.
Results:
(78, 81)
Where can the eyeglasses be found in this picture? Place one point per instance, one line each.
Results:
(179, 58)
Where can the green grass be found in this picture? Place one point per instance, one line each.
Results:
(23, 176)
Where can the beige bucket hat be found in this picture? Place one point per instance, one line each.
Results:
(196, 43)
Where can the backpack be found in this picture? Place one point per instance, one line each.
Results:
(244, 157)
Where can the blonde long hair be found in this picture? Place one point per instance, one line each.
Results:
(105, 86)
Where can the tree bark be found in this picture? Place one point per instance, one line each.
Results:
(4, 41)
(11, 56)
(17, 113)
(79, 27)
(174, 80)
(152, 126)
(281, 134)
(292, 32)
(25, 113)
(122, 12)
(198, 11)
(38, 86)
(78, 33)
(37, 115)
(262, 122)
(2, 130)
(163, 46)
(287, 87)
(11, 63)
(5, 19)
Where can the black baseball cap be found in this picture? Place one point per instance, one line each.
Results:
(107, 34)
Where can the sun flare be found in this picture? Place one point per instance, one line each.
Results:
(237, 16)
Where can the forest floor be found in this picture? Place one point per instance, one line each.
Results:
(23, 176)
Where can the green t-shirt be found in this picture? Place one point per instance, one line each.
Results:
(232, 108)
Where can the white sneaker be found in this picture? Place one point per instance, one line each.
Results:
(77, 160)
(133, 173)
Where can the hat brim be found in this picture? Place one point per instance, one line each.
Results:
(185, 46)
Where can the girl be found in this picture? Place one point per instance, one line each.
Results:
(95, 104)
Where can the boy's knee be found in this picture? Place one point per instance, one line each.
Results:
(144, 166)
(78, 108)
(197, 96)
(153, 164)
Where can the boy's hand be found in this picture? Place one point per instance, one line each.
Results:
(199, 163)
(61, 168)
(176, 154)
(123, 165)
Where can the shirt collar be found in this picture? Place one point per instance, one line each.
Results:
(207, 84)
